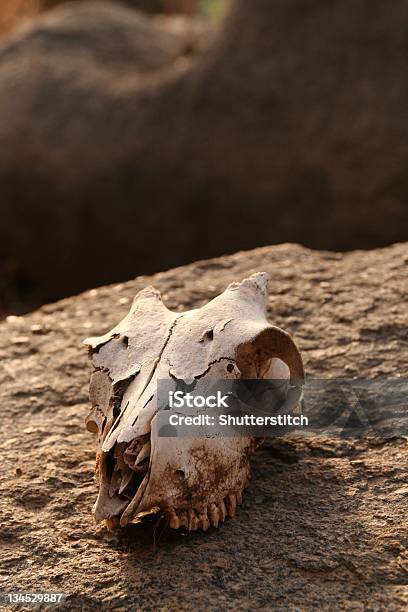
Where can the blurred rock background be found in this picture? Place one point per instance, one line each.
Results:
(190, 21)
(133, 142)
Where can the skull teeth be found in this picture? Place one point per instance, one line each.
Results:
(177, 521)
(203, 521)
(223, 511)
(211, 516)
(132, 463)
(183, 519)
(193, 522)
(231, 504)
(174, 520)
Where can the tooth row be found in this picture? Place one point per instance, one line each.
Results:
(214, 514)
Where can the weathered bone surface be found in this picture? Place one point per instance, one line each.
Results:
(194, 482)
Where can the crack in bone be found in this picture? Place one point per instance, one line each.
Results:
(198, 376)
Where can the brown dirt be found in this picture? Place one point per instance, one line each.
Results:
(323, 525)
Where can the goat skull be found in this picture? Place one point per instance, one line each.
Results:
(195, 482)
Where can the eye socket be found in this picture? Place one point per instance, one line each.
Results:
(180, 473)
(230, 367)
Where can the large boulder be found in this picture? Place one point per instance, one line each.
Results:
(90, 59)
(323, 521)
(118, 155)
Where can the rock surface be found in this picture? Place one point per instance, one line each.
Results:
(323, 524)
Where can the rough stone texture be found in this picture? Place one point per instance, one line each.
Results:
(323, 525)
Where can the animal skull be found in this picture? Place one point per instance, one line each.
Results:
(194, 482)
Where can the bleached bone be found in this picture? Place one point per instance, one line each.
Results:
(195, 482)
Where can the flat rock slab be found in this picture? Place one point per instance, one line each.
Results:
(324, 521)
